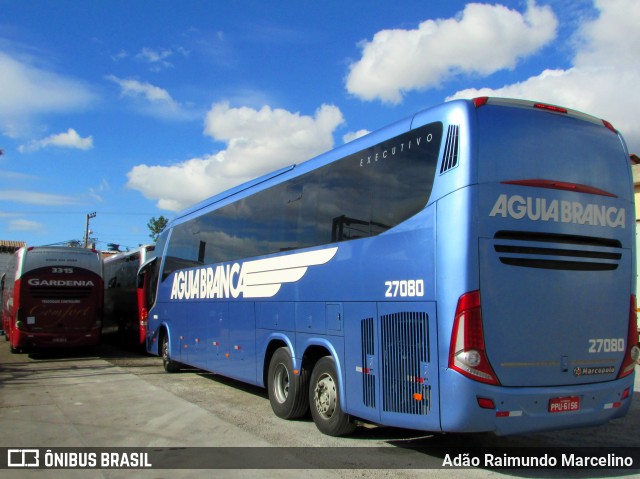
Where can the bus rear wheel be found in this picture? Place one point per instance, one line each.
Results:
(287, 390)
(324, 399)
(169, 364)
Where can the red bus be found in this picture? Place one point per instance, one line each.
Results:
(124, 314)
(55, 299)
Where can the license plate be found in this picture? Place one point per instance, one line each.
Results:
(564, 404)
(59, 340)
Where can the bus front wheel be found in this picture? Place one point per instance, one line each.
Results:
(324, 399)
(287, 390)
(169, 364)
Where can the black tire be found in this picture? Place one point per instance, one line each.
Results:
(324, 400)
(287, 391)
(169, 364)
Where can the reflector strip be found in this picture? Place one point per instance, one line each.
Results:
(486, 403)
(508, 413)
(612, 405)
(625, 394)
(415, 379)
(360, 369)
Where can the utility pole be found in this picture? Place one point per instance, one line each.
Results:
(86, 230)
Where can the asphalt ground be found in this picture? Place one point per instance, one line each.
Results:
(111, 397)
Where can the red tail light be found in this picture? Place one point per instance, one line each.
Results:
(480, 101)
(554, 108)
(632, 352)
(610, 126)
(467, 353)
(559, 185)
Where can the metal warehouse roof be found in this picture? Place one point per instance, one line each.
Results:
(9, 246)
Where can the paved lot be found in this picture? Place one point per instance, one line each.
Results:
(110, 397)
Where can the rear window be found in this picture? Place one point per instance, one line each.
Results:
(520, 143)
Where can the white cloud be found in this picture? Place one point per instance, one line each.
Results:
(97, 193)
(151, 99)
(258, 141)
(26, 226)
(121, 55)
(68, 139)
(603, 80)
(481, 40)
(157, 59)
(36, 198)
(28, 90)
(354, 135)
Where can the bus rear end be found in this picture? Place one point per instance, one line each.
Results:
(544, 335)
(58, 299)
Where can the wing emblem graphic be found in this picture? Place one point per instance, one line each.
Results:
(263, 278)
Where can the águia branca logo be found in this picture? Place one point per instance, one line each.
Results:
(260, 278)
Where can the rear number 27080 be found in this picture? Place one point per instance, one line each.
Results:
(404, 288)
(606, 345)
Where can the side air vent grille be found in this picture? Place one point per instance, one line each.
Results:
(405, 347)
(557, 251)
(450, 157)
(369, 380)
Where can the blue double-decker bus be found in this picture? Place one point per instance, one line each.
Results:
(471, 268)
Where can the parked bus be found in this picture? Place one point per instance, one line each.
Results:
(124, 316)
(55, 299)
(471, 268)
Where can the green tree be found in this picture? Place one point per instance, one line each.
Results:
(156, 226)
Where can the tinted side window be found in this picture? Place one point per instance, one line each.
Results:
(359, 196)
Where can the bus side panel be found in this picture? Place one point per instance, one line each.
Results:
(241, 328)
(212, 331)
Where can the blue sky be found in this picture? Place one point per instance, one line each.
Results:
(133, 109)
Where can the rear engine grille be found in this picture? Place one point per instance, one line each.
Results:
(557, 251)
(405, 348)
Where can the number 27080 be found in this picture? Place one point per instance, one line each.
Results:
(606, 345)
(405, 288)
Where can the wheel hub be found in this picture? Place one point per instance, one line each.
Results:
(281, 383)
(325, 396)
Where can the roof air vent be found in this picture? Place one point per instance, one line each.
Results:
(450, 158)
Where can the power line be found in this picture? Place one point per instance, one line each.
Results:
(114, 213)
